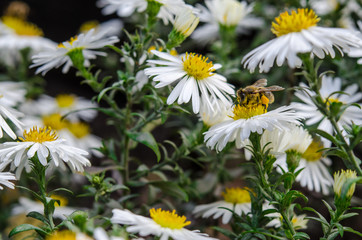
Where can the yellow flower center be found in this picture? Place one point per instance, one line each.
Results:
(248, 110)
(168, 219)
(296, 22)
(72, 39)
(313, 152)
(79, 130)
(55, 121)
(62, 235)
(63, 201)
(85, 27)
(21, 27)
(40, 135)
(236, 195)
(65, 100)
(197, 66)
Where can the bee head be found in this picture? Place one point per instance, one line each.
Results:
(241, 95)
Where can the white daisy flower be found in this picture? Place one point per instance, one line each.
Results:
(246, 120)
(298, 33)
(76, 107)
(163, 224)
(195, 79)
(224, 13)
(329, 86)
(340, 178)
(5, 178)
(12, 93)
(12, 115)
(125, 8)
(298, 221)
(17, 34)
(47, 146)
(27, 205)
(235, 199)
(86, 43)
(111, 27)
(315, 174)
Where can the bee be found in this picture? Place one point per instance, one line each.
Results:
(256, 93)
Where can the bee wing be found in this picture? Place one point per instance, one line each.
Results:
(274, 88)
(269, 89)
(260, 83)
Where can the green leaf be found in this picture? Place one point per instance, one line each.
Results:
(332, 235)
(340, 229)
(301, 235)
(348, 215)
(348, 229)
(38, 216)
(147, 139)
(25, 227)
(171, 188)
(224, 231)
(326, 136)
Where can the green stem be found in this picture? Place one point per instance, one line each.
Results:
(39, 173)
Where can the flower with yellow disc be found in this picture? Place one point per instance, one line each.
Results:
(297, 32)
(235, 199)
(49, 149)
(163, 224)
(195, 78)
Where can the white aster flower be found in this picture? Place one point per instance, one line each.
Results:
(163, 224)
(59, 55)
(12, 93)
(224, 13)
(5, 178)
(17, 34)
(47, 146)
(298, 221)
(77, 107)
(195, 79)
(111, 27)
(235, 199)
(27, 205)
(298, 33)
(125, 8)
(246, 120)
(315, 174)
(329, 86)
(185, 23)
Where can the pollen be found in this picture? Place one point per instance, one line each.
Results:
(70, 41)
(168, 219)
(85, 27)
(40, 135)
(236, 195)
(22, 27)
(248, 111)
(65, 100)
(197, 66)
(55, 121)
(79, 130)
(313, 152)
(296, 22)
(62, 235)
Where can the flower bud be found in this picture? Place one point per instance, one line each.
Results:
(343, 179)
